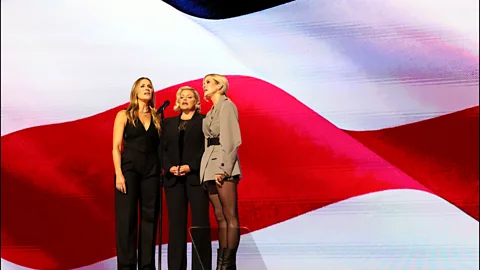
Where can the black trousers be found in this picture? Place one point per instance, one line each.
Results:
(143, 182)
(178, 196)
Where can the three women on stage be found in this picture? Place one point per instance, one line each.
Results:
(200, 161)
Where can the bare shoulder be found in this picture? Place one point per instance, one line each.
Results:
(121, 116)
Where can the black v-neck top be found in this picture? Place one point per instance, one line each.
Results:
(137, 138)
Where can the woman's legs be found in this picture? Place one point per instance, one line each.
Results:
(228, 198)
(224, 201)
(126, 206)
(221, 222)
(149, 191)
(201, 238)
(177, 226)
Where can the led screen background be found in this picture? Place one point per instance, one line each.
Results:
(359, 122)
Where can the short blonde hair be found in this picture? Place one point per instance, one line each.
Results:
(195, 95)
(221, 80)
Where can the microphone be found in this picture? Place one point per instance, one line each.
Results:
(163, 107)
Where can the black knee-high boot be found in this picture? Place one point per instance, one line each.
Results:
(230, 259)
(220, 258)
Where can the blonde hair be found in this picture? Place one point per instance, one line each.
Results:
(133, 107)
(220, 80)
(195, 95)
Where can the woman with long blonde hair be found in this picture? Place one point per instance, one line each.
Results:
(137, 177)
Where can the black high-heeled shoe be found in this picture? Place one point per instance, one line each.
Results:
(220, 258)
(229, 259)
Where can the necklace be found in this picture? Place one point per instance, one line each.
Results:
(145, 113)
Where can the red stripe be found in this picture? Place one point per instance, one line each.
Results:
(441, 153)
(57, 180)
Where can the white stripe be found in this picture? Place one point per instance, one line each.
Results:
(299, 46)
(63, 62)
(390, 230)
(459, 16)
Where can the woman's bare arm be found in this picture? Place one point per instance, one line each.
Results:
(118, 127)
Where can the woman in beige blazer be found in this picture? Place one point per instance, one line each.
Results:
(220, 169)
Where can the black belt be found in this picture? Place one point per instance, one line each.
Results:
(213, 141)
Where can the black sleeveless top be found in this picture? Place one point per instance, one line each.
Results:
(139, 139)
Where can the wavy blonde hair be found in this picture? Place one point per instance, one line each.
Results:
(220, 80)
(133, 107)
(195, 95)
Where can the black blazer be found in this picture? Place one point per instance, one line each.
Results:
(193, 148)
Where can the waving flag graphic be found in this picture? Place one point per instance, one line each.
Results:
(359, 121)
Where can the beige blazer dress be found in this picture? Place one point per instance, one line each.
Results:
(221, 122)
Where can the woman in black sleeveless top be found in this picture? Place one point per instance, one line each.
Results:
(137, 177)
